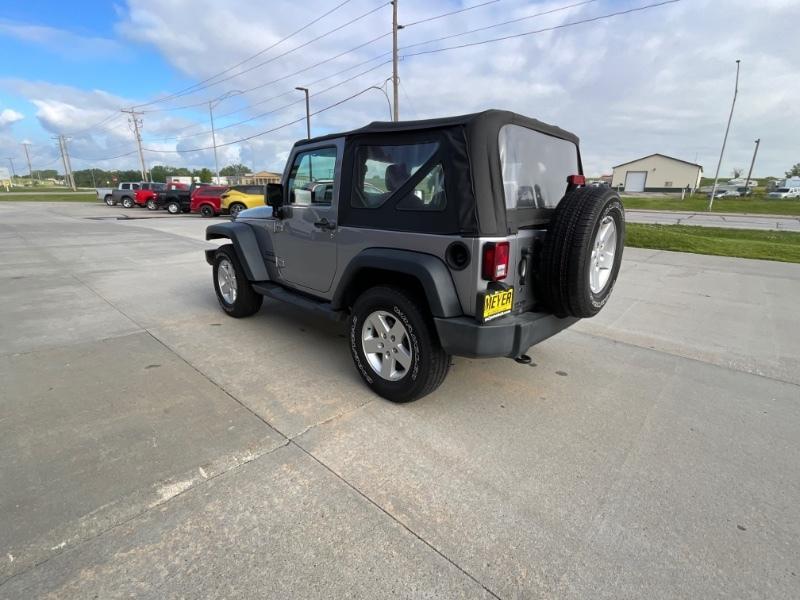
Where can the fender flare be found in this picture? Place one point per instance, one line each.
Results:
(430, 271)
(246, 246)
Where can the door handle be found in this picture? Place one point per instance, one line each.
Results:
(324, 224)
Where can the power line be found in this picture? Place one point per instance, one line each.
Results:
(451, 13)
(494, 25)
(269, 60)
(545, 29)
(280, 108)
(259, 134)
(251, 57)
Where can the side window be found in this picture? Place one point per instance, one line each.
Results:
(382, 170)
(135, 186)
(428, 194)
(311, 177)
(125, 186)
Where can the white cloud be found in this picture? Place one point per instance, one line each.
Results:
(9, 116)
(66, 43)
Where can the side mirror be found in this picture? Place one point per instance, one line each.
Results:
(274, 196)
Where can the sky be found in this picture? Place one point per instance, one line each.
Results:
(656, 80)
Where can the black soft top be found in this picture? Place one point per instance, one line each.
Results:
(469, 151)
(487, 121)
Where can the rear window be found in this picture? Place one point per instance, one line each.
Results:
(535, 167)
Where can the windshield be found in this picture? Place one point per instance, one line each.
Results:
(535, 167)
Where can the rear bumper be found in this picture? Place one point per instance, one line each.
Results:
(508, 336)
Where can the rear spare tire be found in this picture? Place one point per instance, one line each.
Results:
(582, 252)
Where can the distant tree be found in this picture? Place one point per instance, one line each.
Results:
(737, 172)
(46, 174)
(205, 175)
(794, 171)
(237, 169)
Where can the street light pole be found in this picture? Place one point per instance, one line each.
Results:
(213, 138)
(395, 80)
(383, 91)
(308, 112)
(211, 105)
(13, 171)
(725, 139)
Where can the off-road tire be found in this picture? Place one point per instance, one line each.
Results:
(109, 200)
(563, 277)
(207, 211)
(151, 205)
(127, 202)
(430, 362)
(248, 301)
(174, 207)
(235, 208)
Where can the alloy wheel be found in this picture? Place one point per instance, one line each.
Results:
(386, 345)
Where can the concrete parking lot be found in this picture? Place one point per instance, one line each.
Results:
(152, 447)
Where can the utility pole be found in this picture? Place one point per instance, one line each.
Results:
(308, 112)
(27, 145)
(62, 147)
(13, 172)
(395, 79)
(752, 162)
(725, 139)
(136, 123)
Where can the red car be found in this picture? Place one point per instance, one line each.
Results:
(146, 192)
(206, 200)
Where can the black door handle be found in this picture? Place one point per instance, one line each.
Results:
(325, 224)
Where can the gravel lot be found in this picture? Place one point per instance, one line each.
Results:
(153, 447)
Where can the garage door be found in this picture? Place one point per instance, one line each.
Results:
(634, 181)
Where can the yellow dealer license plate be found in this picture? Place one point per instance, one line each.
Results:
(497, 304)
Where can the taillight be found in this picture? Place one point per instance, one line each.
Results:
(576, 180)
(495, 261)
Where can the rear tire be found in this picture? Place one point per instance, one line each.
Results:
(151, 205)
(109, 200)
(378, 314)
(207, 211)
(228, 275)
(174, 207)
(583, 252)
(236, 208)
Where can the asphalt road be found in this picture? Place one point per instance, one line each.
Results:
(154, 448)
(725, 221)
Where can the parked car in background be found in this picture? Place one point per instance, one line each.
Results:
(744, 191)
(722, 192)
(175, 199)
(785, 193)
(240, 197)
(207, 200)
(147, 192)
(107, 194)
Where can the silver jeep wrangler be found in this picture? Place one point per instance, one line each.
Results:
(472, 236)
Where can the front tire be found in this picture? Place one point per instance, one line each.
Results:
(234, 293)
(394, 345)
(206, 211)
(174, 208)
(127, 202)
